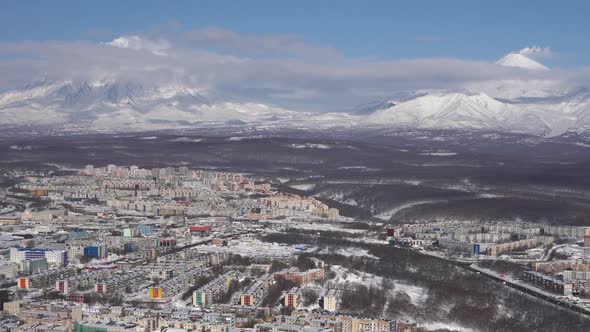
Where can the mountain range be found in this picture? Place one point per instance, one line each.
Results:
(129, 106)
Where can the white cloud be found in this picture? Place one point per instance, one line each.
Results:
(134, 42)
(536, 52)
(280, 70)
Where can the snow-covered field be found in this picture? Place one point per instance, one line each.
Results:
(439, 154)
(326, 227)
(348, 252)
(362, 168)
(417, 294)
(188, 140)
(241, 138)
(572, 250)
(339, 197)
(310, 146)
(386, 215)
(252, 248)
(443, 326)
(19, 147)
(303, 186)
(343, 275)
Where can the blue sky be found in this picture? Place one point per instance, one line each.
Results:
(479, 30)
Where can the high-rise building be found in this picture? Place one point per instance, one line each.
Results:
(89, 170)
(183, 171)
(133, 171)
(19, 254)
(111, 169)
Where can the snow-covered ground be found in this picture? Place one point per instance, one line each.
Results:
(21, 147)
(187, 139)
(439, 154)
(303, 186)
(350, 201)
(339, 197)
(241, 138)
(443, 326)
(386, 215)
(326, 227)
(310, 146)
(572, 250)
(348, 252)
(417, 294)
(413, 182)
(362, 168)
(343, 276)
(252, 248)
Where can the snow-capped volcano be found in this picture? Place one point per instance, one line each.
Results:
(444, 110)
(129, 106)
(519, 60)
(124, 105)
(477, 111)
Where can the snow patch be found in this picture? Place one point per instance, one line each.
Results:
(303, 186)
(386, 215)
(310, 146)
(20, 148)
(241, 138)
(439, 154)
(362, 168)
(188, 140)
(413, 182)
(445, 326)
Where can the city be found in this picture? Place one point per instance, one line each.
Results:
(286, 166)
(147, 249)
(131, 249)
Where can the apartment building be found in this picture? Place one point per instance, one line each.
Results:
(331, 300)
(212, 291)
(254, 295)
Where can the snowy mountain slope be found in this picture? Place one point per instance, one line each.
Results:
(540, 108)
(106, 105)
(119, 105)
(443, 110)
(392, 100)
(520, 61)
(477, 111)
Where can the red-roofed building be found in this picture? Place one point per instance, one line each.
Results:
(168, 242)
(201, 230)
(299, 277)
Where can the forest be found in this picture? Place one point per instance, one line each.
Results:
(454, 294)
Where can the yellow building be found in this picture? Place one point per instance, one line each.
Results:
(156, 293)
(353, 324)
(247, 299)
(12, 308)
(331, 300)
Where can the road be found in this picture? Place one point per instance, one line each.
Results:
(517, 285)
(19, 205)
(529, 289)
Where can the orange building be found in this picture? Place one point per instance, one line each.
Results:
(24, 283)
(41, 192)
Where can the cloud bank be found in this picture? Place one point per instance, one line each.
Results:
(281, 70)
